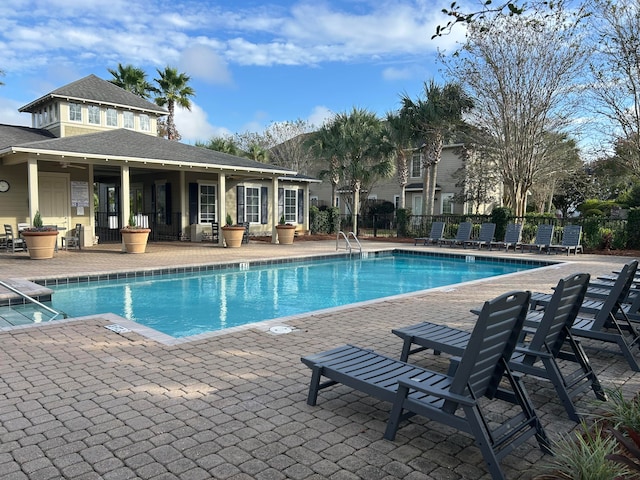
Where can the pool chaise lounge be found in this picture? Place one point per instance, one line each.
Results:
(436, 234)
(462, 235)
(452, 399)
(536, 355)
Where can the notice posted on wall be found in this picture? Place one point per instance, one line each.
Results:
(80, 194)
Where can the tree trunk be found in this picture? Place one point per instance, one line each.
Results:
(356, 206)
(432, 188)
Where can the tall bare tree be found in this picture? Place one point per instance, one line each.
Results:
(616, 72)
(288, 146)
(521, 71)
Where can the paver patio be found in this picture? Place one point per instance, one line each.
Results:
(78, 401)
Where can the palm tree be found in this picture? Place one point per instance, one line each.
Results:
(400, 136)
(326, 143)
(433, 121)
(363, 151)
(132, 79)
(257, 153)
(174, 89)
(221, 144)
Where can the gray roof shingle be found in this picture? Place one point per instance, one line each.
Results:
(16, 134)
(123, 143)
(94, 89)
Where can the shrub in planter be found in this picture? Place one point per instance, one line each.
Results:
(41, 241)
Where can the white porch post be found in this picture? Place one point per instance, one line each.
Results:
(184, 192)
(125, 188)
(274, 216)
(32, 178)
(222, 205)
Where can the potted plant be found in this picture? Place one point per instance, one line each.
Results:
(135, 237)
(286, 232)
(232, 233)
(41, 241)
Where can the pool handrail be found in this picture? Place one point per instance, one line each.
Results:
(33, 300)
(348, 245)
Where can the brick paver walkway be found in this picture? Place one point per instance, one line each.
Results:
(78, 401)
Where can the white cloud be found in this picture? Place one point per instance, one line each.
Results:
(202, 62)
(319, 115)
(10, 115)
(193, 125)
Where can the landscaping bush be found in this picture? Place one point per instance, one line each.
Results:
(633, 225)
(501, 216)
(325, 221)
(402, 217)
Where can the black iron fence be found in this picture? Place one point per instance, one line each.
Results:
(597, 232)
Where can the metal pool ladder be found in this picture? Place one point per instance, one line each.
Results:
(347, 244)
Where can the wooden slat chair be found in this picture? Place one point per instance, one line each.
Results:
(544, 237)
(537, 351)
(453, 400)
(462, 235)
(571, 238)
(511, 238)
(485, 237)
(436, 234)
(73, 239)
(13, 242)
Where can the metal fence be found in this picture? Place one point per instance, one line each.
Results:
(598, 232)
(108, 227)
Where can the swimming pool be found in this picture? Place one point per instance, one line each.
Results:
(187, 304)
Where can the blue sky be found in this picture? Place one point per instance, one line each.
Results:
(251, 62)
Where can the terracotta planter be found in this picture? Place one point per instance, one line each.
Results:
(233, 236)
(40, 244)
(135, 239)
(285, 234)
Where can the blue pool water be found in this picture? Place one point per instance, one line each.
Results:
(187, 304)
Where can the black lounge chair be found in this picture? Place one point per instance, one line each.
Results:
(487, 231)
(511, 238)
(537, 352)
(571, 237)
(453, 400)
(544, 237)
(436, 234)
(462, 235)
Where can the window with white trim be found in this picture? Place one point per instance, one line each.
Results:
(252, 204)
(75, 112)
(416, 165)
(112, 117)
(128, 120)
(447, 203)
(290, 205)
(206, 203)
(145, 123)
(94, 114)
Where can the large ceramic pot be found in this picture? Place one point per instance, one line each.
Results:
(135, 239)
(285, 234)
(40, 244)
(233, 235)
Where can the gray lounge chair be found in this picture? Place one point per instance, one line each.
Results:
(536, 355)
(462, 235)
(611, 324)
(571, 237)
(511, 238)
(436, 234)
(544, 237)
(449, 399)
(487, 231)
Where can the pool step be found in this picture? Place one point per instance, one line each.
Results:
(22, 315)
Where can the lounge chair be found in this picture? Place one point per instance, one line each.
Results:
(544, 237)
(571, 237)
(436, 234)
(452, 400)
(487, 231)
(511, 238)
(605, 327)
(462, 235)
(536, 354)
(13, 243)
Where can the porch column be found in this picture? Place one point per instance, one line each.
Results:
(32, 179)
(125, 187)
(222, 205)
(184, 193)
(274, 216)
(307, 205)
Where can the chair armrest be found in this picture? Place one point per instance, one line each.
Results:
(537, 353)
(436, 392)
